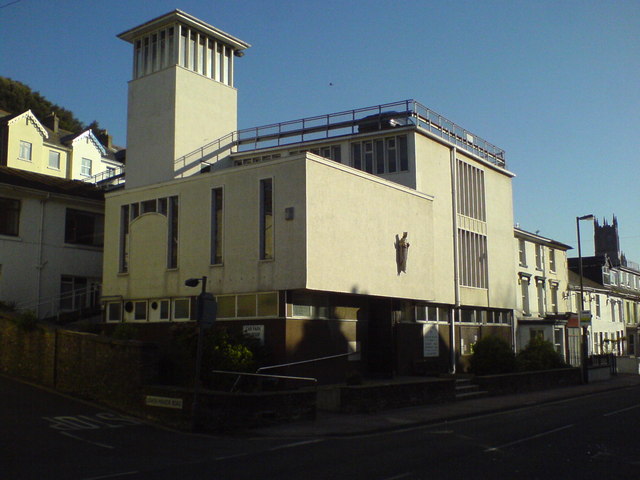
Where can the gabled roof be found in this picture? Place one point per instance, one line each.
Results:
(11, 119)
(88, 134)
(47, 183)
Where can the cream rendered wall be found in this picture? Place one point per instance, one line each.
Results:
(83, 147)
(65, 161)
(433, 176)
(171, 113)
(24, 129)
(352, 222)
(340, 239)
(33, 262)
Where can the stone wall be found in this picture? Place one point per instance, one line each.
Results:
(81, 364)
(529, 381)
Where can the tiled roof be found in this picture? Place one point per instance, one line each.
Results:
(47, 183)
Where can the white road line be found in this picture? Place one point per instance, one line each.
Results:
(621, 410)
(296, 444)
(113, 475)
(237, 455)
(397, 477)
(86, 441)
(522, 440)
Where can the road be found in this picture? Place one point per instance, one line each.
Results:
(45, 435)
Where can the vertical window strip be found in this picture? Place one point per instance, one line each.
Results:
(124, 238)
(172, 250)
(266, 219)
(216, 225)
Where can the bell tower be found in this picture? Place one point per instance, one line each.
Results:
(181, 96)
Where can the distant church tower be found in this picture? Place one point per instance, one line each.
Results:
(607, 241)
(181, 96)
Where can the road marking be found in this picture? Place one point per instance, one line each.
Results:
(621, 410)
(532, 437)
(402, 475)
(237, 455)
(104, 445)
(113, 475)
(296, 444)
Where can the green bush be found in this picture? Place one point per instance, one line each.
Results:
(26, 320)
(539, 355)
(492, 355)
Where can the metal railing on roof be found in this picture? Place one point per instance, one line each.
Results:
(404, 113)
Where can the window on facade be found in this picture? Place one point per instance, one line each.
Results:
(333, 152)
(54, 159)
(148, 206)
(114, 312)
(524, 291)
(541, 300)
(140, 310)
(216, 226)
(470, 191)
(522, 252)
(554, 298)
(181, 308)
(266, 219)
(124, 239)
(85, 167)
(473, 259)
(552, 260)
(9, 216)
(25, 150)
(536, 334)
(77, 293)
(539, 257)
(84, 228)
(380, 156)
(597, 305)
(172, 251)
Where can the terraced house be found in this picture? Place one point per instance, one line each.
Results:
(382, 233)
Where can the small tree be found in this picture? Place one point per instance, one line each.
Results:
(492, 355)
(539, 354)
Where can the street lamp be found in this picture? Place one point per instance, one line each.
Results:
(584, 348)
(206, 315)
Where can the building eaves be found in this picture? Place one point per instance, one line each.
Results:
(534, 237)
(47, 183)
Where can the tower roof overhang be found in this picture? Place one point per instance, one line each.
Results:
(183, 18)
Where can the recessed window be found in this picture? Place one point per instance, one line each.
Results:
(25, 151)
(164, 309)
(54, 159)
(114, 312)
(84, 228)
(181, 308)
(172, 250)
(216, 226)
(85, 167)
(266, 219)
(522, 252)
(388, 155)
(140, 310)
(9, 216)
(552, 260)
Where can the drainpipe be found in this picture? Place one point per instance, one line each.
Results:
(456, 268)
(41, 263)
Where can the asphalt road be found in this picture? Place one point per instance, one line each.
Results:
(48, 436)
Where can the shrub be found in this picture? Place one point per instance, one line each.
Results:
(539, 355)
(492, 355)
(26, 320)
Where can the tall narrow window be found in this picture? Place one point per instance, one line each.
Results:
(124, 238)
(552, 260)
(216, 226)
(539, 257)
(54, 159)
(522, 252)
(541, 299)
(85, 167)
(554, 298)
(524, 289)
(9, 216)
(172, 250)
(25, 151)
(266, 219)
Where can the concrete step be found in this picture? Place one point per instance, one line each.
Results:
(471, 395)
(466, 390)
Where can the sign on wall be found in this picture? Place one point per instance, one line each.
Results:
(254, 331)
(430, 341)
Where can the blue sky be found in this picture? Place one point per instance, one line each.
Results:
(555, 84)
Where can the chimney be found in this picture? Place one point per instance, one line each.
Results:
(106, 140)
(52, 122)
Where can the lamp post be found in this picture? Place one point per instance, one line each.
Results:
(584, 346)
(206, 307)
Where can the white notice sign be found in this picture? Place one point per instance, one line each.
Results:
(430, 341)
(164, 402)
(254, 331)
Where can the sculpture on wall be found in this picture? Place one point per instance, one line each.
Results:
(402, 252)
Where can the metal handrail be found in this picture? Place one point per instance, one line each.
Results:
(307, 361)
(261, 375)
(341, 123)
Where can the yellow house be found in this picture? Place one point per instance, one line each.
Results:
(42, 147)
(385, 231)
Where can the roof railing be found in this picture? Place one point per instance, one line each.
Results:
(349, 122)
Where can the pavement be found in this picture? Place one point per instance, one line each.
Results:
(342, 424)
